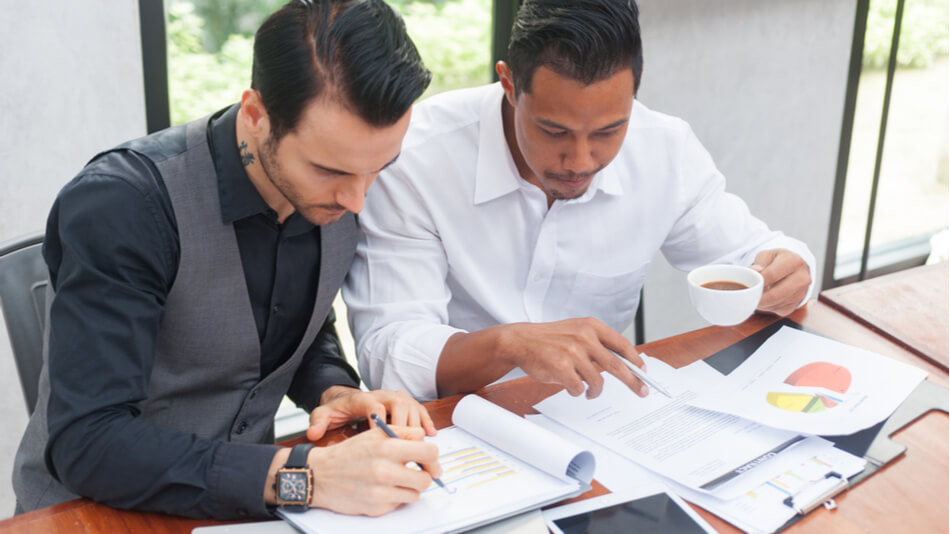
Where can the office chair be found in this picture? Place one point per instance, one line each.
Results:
(23, 281)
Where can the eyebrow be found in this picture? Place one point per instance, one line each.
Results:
(552, 124)
(340, 172)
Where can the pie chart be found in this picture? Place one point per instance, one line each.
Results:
(817, 374)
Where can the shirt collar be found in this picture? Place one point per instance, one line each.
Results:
(495, 172)
(238, 196)
(497, 175)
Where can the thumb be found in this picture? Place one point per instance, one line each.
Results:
(412, 433)
(318, 426)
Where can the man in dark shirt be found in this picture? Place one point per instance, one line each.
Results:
(193, 273)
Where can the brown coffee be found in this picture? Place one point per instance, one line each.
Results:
(725, 285)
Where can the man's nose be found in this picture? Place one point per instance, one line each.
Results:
(353, 194)
(580, 157)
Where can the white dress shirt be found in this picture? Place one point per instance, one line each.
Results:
(454, 240)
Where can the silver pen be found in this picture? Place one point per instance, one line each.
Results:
(642, 375)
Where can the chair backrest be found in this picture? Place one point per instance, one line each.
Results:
(23, 281)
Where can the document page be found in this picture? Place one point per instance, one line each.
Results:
(485, 482)
(753, 502)
(811, 384)
(695, 447)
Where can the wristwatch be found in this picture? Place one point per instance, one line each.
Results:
(295, 480)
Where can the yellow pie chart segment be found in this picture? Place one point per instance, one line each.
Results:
(797, 402)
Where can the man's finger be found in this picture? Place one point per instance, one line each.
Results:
(399, 413)
(318, 425)
(427, 423)
(615, 365)
(406, 432)
(590, 375)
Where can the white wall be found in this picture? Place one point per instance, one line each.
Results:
(71, 86)
(763, 84)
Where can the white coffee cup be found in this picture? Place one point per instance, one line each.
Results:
(725, 307)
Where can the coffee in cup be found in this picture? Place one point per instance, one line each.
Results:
(725, 295)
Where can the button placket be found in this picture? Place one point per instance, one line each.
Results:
(541, 267)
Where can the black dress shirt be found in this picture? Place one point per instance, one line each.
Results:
(112, 241)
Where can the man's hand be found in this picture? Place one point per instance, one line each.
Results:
(367, 474)
(786, 277)
(572, 353)
(341, 404)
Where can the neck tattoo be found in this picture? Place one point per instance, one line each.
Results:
(247, 157)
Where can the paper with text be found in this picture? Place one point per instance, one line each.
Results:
(695, 447)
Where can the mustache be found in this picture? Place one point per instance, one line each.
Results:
(329, 207)
(573, 176)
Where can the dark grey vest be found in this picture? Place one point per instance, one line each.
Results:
(206, 375)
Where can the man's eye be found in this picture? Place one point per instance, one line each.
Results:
(555, 134)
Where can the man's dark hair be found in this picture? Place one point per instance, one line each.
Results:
(585, 40)
(355, 51)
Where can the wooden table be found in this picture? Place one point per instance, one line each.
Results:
(908, 495)
(910, 307)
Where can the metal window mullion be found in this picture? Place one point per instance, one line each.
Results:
(154, 64)
(503, 17)
(844, 143)
(872, 205)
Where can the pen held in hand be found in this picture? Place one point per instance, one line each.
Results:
(642, 375)
(389, 432)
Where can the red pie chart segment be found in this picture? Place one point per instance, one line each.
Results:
(821, 375)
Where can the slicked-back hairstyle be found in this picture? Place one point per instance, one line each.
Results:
(585, 40)
(354, 51)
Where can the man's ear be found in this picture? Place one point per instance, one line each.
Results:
(507, 81)
(255, 114)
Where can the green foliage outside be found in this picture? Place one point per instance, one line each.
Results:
(210, 44)
(209, 65)
(923, 38)
(201, 82)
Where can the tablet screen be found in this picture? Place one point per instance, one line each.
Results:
(657, 513)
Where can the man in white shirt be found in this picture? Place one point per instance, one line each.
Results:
(513, 234)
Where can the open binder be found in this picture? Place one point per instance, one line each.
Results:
(874, 443)
(495, 465)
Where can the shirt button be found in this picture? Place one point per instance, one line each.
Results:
(241, 427)
(242, 512)
(275, 310)
(253, 393)
(538, 277)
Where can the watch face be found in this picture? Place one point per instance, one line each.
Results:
(294, 487)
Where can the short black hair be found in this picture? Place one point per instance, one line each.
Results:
(357, 51)
(585, 40)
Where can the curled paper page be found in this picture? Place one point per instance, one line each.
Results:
(521, 438)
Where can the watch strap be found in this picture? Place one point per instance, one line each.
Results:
(298, 456)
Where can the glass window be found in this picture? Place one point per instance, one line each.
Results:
(210, 47)
(911, 204)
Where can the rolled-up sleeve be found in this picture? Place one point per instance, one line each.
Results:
(716, 226)
(396, 292)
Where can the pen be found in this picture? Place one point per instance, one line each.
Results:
(641, 374)
(389, 432)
